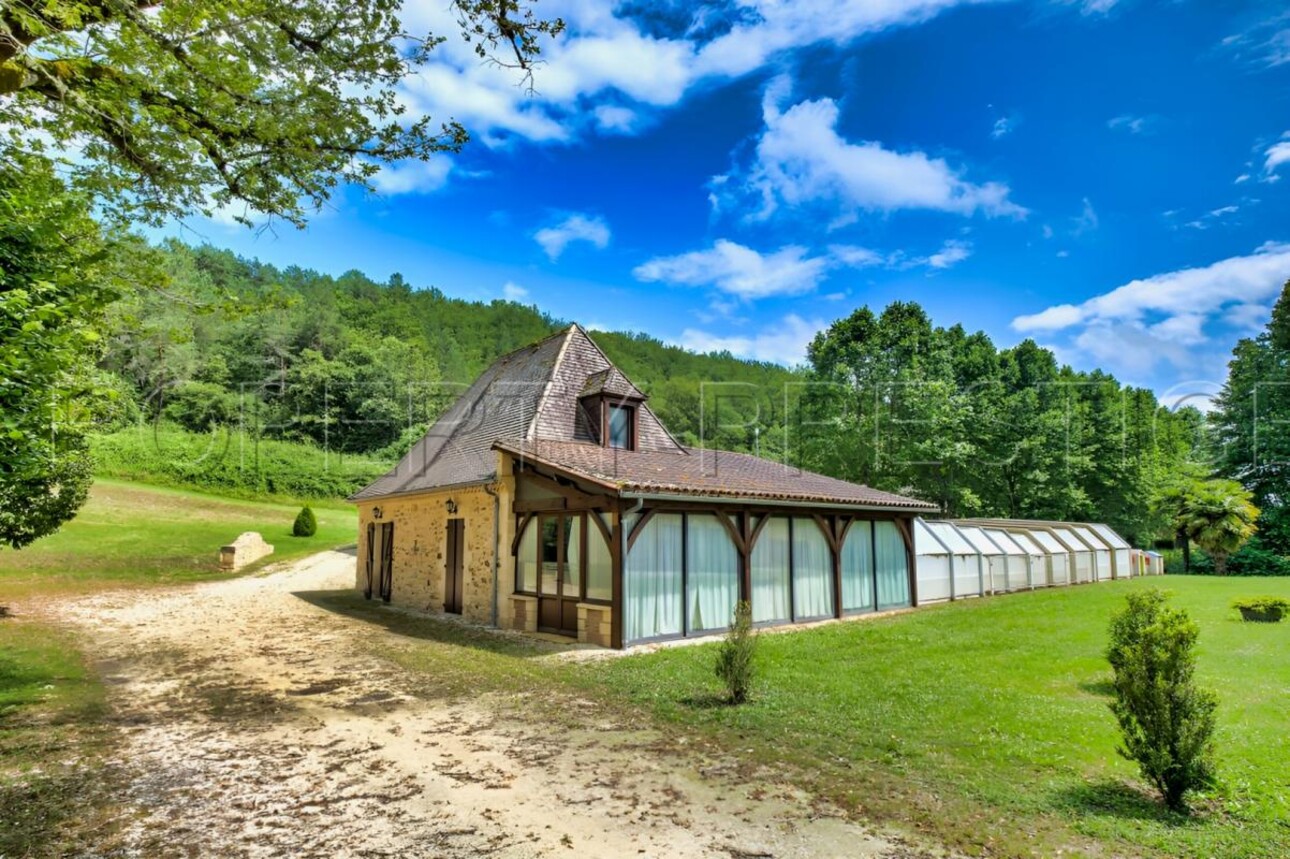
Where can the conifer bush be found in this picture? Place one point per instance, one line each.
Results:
(1166, 720)
(306, 524)
(735, 658)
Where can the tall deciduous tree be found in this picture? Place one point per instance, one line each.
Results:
(160, 108)
(178, 106)
(57, 273)
(905, 406)
(1250, 423)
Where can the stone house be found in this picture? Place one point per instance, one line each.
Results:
(549, 497)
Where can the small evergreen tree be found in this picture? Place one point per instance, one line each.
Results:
(306, 524)
(1167, 722)
(735, 658)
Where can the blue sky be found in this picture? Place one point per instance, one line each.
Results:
(1102, 176)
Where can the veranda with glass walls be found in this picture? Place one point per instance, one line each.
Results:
(685, 570)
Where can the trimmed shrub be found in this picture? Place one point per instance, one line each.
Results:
(1166, 721)
(735, 658)
(1262, 609)
(306, 524)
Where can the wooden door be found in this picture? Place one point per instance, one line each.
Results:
(369, 560)
(381, 556)
(559, 573)
(453, 570)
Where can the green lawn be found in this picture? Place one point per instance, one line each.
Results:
(57, 793)
(131, 534)
(985, 723)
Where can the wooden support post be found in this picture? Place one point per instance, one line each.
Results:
(906, 528)
(616, 581)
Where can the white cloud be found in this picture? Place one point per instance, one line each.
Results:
(951, 253)
(1265, 44)
(1273, 157)
(1131, 123)
(574, 228)
(1086, 221)
(612, 118)
(732, 268)
(1095, 7)
(1212, 217)
(1003, 126)
(1164, 317)
(512, 291)
(604, 60)
(801, 159)
(857, 257)
(747, 274)
(1187, 292)
(1244, 177)
(413, 177)
(783, 343)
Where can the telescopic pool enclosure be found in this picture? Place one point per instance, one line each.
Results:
(959, 558)
(550, 498)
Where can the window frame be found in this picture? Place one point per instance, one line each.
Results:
(535, 521)
(630, 410)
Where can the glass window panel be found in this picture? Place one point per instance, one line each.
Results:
(770, 572)
(600, 568)
(712, 567)
(573, 556)
(890, 565)
(550, 555)
(526, 563)
(652, 580)
(857, 568)
(812, 570)
(620, 427)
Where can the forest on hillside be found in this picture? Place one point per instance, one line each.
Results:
(357, 369)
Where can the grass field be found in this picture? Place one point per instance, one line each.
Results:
(56, 792)
(985, 723)
(129, 534)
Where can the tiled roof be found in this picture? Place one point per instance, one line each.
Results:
(531, 393)
(687, 471)
(612, 382)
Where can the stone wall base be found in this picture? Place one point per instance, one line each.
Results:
(595, 624)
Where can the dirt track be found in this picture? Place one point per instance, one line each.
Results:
(255, 724)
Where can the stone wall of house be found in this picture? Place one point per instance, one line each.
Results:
(420, 548)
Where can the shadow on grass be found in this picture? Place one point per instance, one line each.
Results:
(1117, 799)
(428, 628)
(1101, 688)
(706, 701)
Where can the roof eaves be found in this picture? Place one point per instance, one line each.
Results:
(358, 497)
(636, 490)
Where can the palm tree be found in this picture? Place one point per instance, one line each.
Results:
(1218, 516)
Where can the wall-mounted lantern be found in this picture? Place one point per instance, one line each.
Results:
(377, 512)
(451, 505)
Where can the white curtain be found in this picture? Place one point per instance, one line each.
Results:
(572, 557)
(770, 572)
(652, 580)
(600, 568)
(891, 565)
(812, 570)
(526, 564)
(857, 568)
(712, 573)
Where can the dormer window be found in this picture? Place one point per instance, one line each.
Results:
(622, 427)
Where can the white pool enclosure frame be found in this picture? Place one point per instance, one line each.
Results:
(958, 558)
